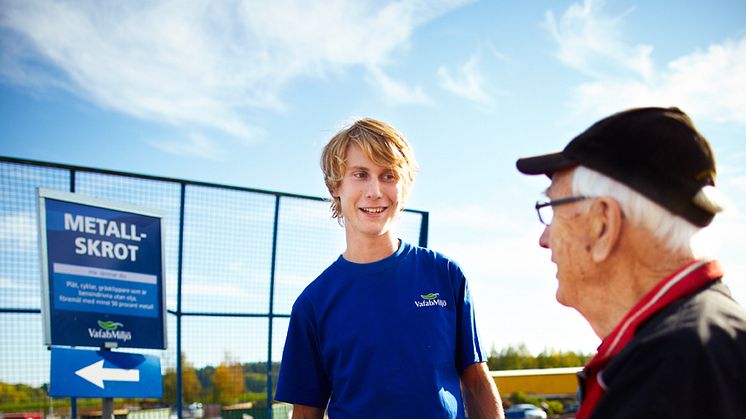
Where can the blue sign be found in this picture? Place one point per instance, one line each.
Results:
(103, 273)
(102, 374)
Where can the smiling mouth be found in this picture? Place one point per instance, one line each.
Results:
(376, 210)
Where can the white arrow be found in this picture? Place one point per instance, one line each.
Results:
(96, 374)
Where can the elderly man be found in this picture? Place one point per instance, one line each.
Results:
(626, 198)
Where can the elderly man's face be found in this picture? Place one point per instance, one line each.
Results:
(567, 238)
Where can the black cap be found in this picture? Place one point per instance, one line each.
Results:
(655, 151)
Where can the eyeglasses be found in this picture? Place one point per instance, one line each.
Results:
(545, 209)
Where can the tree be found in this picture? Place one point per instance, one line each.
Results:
(190, 385)
(256, 382)
(10, 393)
(228, 381)
(519, 357)
(511, 358)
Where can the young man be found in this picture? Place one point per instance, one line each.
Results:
(388, 330)
(626, 198)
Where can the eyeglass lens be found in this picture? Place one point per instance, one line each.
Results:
(546, 214)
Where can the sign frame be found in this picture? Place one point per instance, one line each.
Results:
(116, 271)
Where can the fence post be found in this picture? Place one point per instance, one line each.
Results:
(179, 264)
(424, 226)
(271, 306)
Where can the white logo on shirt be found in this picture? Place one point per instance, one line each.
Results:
(430, 300)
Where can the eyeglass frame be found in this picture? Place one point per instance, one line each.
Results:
(557, 202)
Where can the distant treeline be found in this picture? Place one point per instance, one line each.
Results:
(228, 383)
(231, 382)
(520, 358)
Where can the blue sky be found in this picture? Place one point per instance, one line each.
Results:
(247, 93)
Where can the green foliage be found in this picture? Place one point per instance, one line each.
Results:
(220, 384)
(552, 407)
(190, 384)
(555, 407)
(19, 393)
(255, 376)
(519, 357)
(204, 375)
(255, 382)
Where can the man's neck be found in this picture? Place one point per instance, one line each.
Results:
(629, 277)
(370, 249)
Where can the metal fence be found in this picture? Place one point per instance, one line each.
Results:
(235, 260)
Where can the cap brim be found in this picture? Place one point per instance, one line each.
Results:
(546, 164)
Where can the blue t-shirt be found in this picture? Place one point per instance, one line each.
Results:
(385, 339)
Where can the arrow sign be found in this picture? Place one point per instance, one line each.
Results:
(102, 374)
(96, 373)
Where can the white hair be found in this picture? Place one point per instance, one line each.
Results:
(674, 232)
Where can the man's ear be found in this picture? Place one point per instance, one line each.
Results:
(606, 227)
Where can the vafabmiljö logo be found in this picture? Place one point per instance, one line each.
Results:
(108, 330)
(430, 300)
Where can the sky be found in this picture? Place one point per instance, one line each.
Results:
(246, 93)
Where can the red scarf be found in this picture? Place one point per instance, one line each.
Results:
(681, 283)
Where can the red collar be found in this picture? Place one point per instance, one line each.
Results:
(680, 284)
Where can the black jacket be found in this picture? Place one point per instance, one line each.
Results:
(688, 361)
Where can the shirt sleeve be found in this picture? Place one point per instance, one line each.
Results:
(302, 378)
(468, 346)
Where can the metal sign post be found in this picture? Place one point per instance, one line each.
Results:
(107, 408)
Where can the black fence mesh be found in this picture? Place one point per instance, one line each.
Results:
(234, 264)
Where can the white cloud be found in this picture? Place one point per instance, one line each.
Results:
(468, 81)
(395, 91)
(205, 64)
(194, 145)
(706, 84)
(590, 42)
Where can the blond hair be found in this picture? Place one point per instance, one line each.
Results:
(381, 143)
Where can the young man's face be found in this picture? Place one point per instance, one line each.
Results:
(370, 196)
